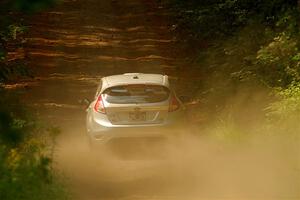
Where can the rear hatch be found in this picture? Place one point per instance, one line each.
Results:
(136, 104)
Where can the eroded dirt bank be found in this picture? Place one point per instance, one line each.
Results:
(79, 41)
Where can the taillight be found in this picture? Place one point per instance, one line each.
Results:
(99, 106)
(174, 104)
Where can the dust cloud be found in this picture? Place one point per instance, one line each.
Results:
(192, 167)
(80, 41)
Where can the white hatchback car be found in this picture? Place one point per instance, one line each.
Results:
(133, 105)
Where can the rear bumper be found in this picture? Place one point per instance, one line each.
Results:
(101, 131)
(104, 135)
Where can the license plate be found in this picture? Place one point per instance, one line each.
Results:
(137, 116)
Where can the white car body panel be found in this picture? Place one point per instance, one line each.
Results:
(115, 123)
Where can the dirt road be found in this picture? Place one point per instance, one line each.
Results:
(71, 47)
(78, 42)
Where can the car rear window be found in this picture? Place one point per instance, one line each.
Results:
(136, 94)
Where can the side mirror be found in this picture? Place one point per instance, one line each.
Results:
(85, 102)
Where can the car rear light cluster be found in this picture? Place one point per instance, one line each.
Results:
(174, 104)
(99, 106)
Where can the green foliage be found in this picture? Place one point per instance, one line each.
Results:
(244, 43)
(2, 54)
(26, 152)
(12, 31)
(12, 37)
(214, 19)
(278, 62)
(28, 6)
(13, 71)
(287, 107)
(10, 129)
(226, 131)
(241, 41)
(26, 149)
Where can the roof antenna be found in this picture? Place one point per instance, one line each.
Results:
(135, 77)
